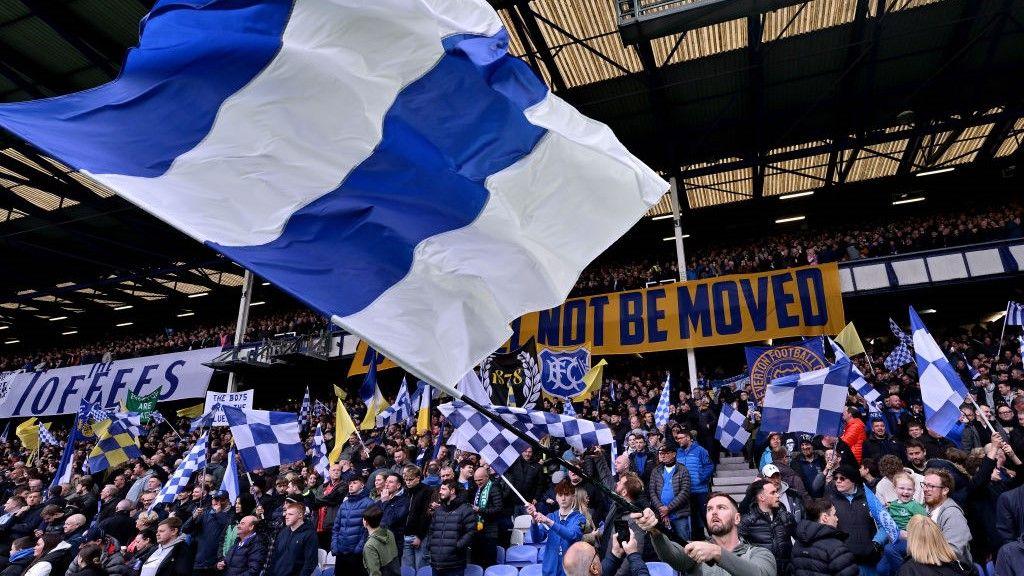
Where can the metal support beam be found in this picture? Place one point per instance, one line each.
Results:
(755, 77)
(540, 46)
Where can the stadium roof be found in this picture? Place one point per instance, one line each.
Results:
(742, 100)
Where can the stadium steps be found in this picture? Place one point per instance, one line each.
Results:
(733, 475)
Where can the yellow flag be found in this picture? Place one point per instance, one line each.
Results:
(850, 340)
(192, 411)
(343, 429)
(594, 379)
(423, 410)
(339, 392)
(28, 432)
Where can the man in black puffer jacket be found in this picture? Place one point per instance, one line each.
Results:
(819, 548)
(767, 524)
(451, 531)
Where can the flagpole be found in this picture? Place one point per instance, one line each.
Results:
(999, 344)
(870, 365)
(521, 499)
(691, 357)
(1002, 431)
(240, 324)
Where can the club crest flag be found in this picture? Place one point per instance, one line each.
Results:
(513, 379)
(767, 363)
(562, 372)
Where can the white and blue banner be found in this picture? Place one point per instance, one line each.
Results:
(61, 391)
(562, 371)
(387, 162)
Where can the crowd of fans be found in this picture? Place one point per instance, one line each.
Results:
(814, 246)
(390, 501)
(258, 328)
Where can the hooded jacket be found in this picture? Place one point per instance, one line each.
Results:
(348, 535)
(820, 551)
(772, 532)
(451, 531)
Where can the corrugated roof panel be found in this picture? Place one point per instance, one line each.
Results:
(664, 206)
(11, 152)
(876, 161)
(97, 188)
(703, 197)
(11, 10)
(779, 177)
(807, 17)
(896, 5)
(41, 198)
(1012, 141)
(966, 147)
(183, 287)
(929, 144)
(37, 41)
(515, 46)
(11, 173)
(596, 24)
(117, 19)
(701, 42)
(719, 187)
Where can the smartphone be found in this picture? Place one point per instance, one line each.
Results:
(622, 531)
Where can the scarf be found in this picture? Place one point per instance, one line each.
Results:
(481, 501)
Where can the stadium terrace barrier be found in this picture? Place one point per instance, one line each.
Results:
(932, 267)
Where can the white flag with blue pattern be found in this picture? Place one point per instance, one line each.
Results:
(230, 482)
(942, 390)
(321, 463)
(194, 460)
(809, 402)
(731, 433)
(1014, 313)
(857, 379)
(265, 439)
(661, 413)
(387, 162)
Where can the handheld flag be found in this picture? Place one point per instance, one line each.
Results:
(593, 379)
(421, 403)
(901, 355)
(567, 408)
(472, 387)
(305, 411)
(1014, 313)
(6, 435)
(312, 141)
(477, 433)
(28, 433)
(809, 402)
(400, 412)
(857, 379)
(46, 437)
(942, 390)
(370, 394)
(320, 462)
(661, 412)
(881, 514)
(850, 340)
(344, 427)
(230, 483)
(115, 445)
(263, 438)
(194, 460)
(192, 411)
(731, 433)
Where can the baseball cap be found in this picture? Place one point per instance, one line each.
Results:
(219, 495)
(769, 470)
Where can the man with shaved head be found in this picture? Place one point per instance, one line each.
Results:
(582, 559)
(74, 531)
(247, 555)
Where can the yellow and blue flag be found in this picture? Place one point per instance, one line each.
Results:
(115, 445)
(369, 392)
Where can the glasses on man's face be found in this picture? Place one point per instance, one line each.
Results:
(928, 486)
(841, 478)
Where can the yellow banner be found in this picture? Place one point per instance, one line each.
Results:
(805, 301)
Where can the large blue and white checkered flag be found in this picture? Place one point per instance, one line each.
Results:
(475, 432)
(661, 413)
(194, 460)
(1014, 313)
(809, 402)
(731, 433)
(230, 482)
(46, 437)
(401, 410)
(942, 390)
(857, 379)
(901, 355)
(263, 438)
(320, 461)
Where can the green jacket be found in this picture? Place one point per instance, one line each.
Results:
(379, 551)
(744, 560)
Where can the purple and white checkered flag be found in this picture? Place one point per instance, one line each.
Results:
(475, 432)
(1014, 313)
(194, 460)
(731, 433)
(320, 409)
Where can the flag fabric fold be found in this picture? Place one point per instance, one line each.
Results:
(305, 411)
(594, 379)
(115, 445)
(312, 140)
(370, 394)
(857, 379)
(1014, 313)
(399, 412)
(942, 389)
(230, 483)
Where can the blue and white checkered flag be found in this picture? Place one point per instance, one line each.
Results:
(320, 462)
(194, 460)
(661, 413)
(157, 417)
(476, 433)
(305, 410)
(46, 437)
(857, 379)
(263, 438)
(400, 412)
(809, 402)
(320, 409)
(567, 408)
(901, 355)
(230, 482)
(942, 390)
(1014, 313)
(731, 433)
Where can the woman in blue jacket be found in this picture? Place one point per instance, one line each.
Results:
(563, 528)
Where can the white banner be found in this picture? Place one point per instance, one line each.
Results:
(60, 391)
(241, 400)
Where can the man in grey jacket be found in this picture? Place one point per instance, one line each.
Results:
(945, 512)
(724, 554)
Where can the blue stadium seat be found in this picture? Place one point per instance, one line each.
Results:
(990, 568)
(408, 571)
(979, 568)
(532, 570)
(521, 555)
(528, 537)
(425, 571)
(500, 558)
(474, 570)
(501, 570)
(660, 569)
